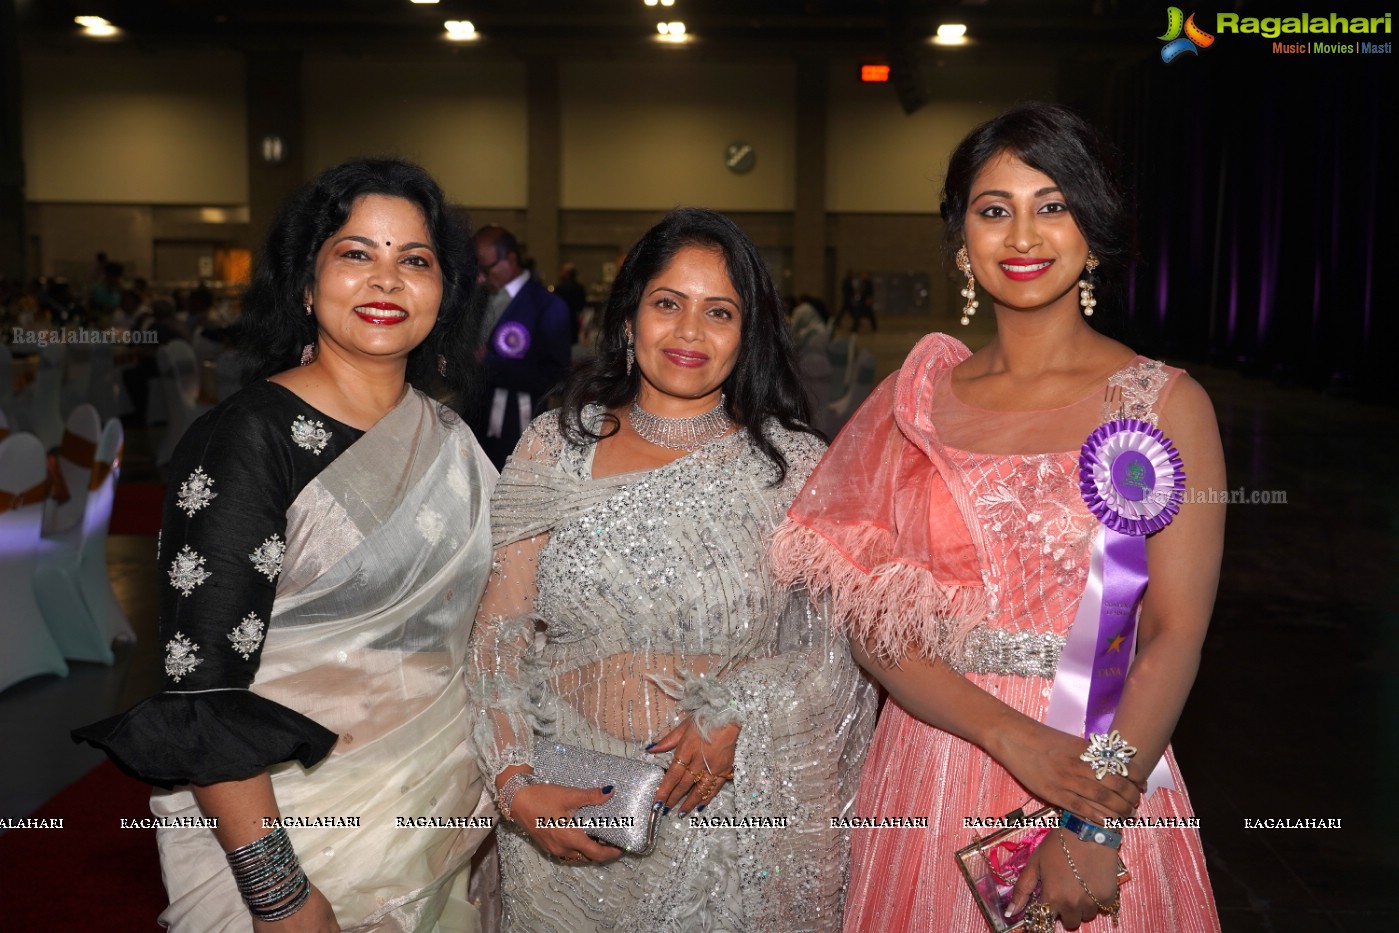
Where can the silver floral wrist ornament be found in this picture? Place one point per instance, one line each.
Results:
(1108, 753)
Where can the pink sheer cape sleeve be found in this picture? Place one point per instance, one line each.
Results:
(881, 529)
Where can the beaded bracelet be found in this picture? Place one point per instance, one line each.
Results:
(505, 797)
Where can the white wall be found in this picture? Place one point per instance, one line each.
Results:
(464, 122)
(651, 135)
(124, 127)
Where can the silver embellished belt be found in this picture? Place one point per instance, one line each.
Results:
(996, 651)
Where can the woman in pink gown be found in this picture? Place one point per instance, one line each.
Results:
(948, 527)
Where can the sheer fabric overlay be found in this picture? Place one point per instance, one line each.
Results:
(962, 515)
(618, 606)
(387, 553)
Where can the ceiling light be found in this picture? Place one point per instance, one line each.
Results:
(422, 1)
(88, 22)
(461, 30)
(667, 2)
(951, 34)
(651, 2)
(671, 29)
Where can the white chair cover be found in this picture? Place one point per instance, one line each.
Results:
(94, 581)
(179, 383)
(861, 385)
(229, 368)
(77, 376)
(77, 451)
(39, 405)
(29, 649)
(104, 385)
(7, 380)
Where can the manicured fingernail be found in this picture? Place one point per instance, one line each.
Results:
(1012, 910)
(665, 811)
(652, 745)
(656, 806)
(680, 815)
(700, 808)
(607, 789)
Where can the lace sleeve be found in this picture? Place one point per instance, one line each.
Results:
(504, 669)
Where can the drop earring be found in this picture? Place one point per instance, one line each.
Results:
(964, 263)
(308, 353)
(307, 306)
(631, 352)
(1086, 301)
(442, 366)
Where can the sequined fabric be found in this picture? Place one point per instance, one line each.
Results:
(620, 605)
(1017, 510)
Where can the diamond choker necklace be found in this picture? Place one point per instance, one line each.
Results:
(681, 433)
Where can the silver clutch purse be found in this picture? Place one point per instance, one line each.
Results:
(627, 820)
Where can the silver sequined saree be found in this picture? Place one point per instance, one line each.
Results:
(619, 605)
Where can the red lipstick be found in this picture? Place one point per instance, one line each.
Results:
(396, 315)
(1023, 270)
(690, 359)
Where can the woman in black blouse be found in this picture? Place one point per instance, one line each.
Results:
(325, 540)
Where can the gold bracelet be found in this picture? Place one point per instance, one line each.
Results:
(1113, 908)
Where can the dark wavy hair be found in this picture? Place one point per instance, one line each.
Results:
(1062, 145)
(275, 325)
(764, 384)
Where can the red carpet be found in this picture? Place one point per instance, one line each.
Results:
(136, 510)
(91, 876)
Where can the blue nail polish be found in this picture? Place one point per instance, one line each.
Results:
(665, 811)
(607, 789)
(680, 815)
(700, 808)
(652, 745)
(656, 806)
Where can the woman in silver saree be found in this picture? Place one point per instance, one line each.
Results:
(631, 612)
(324, 537)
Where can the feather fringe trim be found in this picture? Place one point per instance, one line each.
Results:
(709, 702)
(894, 608)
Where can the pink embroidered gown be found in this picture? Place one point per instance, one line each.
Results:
(987, 569)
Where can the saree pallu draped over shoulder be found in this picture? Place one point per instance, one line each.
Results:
(388, 550)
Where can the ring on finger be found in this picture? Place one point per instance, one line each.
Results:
(1039, 918)
(677, 760)
(575, 857)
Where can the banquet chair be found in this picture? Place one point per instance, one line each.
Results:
(93, 579)
(861, 385)
(29, 649)
(179, 382)
(80, 633)
(7, 380)
(38, 407)
(77, 377)
(63, 510)
(104, 386)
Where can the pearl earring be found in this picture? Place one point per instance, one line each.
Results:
(964, 263)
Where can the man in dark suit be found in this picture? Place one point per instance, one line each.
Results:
(527, 350)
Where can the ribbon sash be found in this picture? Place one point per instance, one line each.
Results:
(1132, 480)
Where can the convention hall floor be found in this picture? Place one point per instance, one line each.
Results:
(1288, 719)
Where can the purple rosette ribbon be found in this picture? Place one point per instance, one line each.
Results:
(1132, 479)
(511, 340)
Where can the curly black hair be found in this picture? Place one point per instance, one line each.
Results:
(764, 384)
(275, 326)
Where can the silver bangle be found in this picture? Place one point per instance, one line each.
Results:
(1108, 753)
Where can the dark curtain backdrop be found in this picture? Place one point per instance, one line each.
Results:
(1264, 203)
